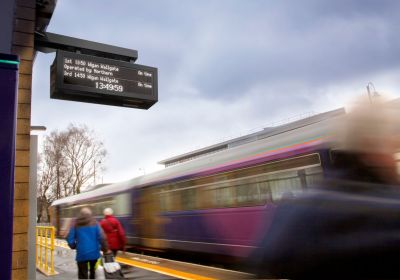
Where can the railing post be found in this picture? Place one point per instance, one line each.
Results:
(45, 245)
(43, 248)
(46, 241)
(37, 246)
(40, 247)
(52, 249)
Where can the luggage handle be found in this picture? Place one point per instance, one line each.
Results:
(108, 258)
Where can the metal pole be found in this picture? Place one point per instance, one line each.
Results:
(32, 206)
(37, 246)
(52, 250)
(40, 247)
(369, 93)
(46, 247)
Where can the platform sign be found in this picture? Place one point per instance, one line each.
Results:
(92, 79)
(8, 105)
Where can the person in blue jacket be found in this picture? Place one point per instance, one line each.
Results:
(87, 237)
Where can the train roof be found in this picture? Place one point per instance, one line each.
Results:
(264, 133)
(242, 149)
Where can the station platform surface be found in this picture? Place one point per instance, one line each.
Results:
(65, 266)
(137, 266)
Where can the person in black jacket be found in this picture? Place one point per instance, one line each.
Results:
(348, 227)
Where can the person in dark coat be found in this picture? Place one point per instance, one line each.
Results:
(348, 227)
(87, 237)
(114, 231)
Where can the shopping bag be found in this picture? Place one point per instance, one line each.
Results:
(99, 269)
(112, 269)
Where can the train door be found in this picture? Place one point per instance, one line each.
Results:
(150, 220)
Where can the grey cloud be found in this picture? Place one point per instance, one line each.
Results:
(327, 49)
(224, 66)
(223, 49)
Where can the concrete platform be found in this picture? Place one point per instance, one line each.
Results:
(65, 265)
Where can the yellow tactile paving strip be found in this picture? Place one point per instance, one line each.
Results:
(173, 268)
(163, 270)
(148, 266)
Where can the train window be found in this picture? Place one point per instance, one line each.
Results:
(69, 212)
(217, 195)
(99, 208)
(170, 199)
(265, 192)
(72, 211)
(244, 194)
(99, 205)
(63, 212)
(299, 162)
(175, 199)
(224, 197)
(163, 202)
(96, 209)
(188, 199)
(121, 204)
(313, 175)
(244, 187)
(163, 195)
(248, 194)
(284, 183)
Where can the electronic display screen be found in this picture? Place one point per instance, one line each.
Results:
(95, 78)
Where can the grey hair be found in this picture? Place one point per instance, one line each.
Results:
(108, 211)
(85, 211)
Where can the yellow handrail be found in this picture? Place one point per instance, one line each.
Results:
(45, 249)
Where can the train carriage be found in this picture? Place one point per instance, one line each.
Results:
(221, 203)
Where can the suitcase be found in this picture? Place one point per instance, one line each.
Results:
(112, 269)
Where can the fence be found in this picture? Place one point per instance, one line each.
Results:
(45, 249)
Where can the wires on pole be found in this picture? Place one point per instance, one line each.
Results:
(371, 94)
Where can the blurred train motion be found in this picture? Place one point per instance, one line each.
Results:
(220, 203)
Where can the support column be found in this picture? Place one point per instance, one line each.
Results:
(32, 208)
(23, 46)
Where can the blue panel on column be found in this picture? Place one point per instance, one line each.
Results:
(8, 104)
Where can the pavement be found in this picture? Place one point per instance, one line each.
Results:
(65, 266)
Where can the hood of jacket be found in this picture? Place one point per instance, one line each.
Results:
(84, 219)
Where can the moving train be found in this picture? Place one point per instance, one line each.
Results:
(220, 203)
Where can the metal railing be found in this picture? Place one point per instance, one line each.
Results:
(45, 249)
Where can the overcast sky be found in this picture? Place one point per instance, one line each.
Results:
(225, 68)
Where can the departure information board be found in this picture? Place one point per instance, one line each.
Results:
(87, 78)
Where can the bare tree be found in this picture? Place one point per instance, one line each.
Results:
(84, 154)
(69, 161)
(45, 183)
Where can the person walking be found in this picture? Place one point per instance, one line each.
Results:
(114, 231)
(87, 237)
